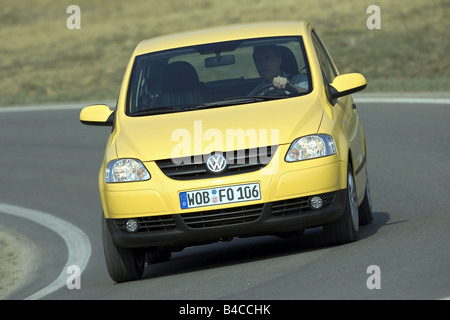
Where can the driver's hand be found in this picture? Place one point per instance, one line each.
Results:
(280, 82)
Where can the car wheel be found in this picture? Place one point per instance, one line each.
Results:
(158, 256)
(123, 264)
(365, 209)
(344, 229)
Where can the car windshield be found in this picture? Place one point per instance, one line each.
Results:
(217, 75)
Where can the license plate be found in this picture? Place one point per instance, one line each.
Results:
(220, 195)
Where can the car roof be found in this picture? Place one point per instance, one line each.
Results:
(225, 33)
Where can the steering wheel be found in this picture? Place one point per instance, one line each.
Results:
(270, 90)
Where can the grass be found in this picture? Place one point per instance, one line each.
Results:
(41, 60)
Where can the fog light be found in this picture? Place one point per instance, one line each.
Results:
(316, 202)
(132, 225)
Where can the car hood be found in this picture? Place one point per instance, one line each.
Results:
(224, 129)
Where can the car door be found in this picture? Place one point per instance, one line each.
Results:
(345, 114)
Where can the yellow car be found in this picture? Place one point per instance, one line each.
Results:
(234, 131)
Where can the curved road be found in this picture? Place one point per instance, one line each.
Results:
(49, 164)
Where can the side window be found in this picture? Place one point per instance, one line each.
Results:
(328, 70)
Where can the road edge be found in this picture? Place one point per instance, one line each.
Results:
(77, 242)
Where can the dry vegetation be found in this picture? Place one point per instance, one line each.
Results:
(17, 253)
(41, 60)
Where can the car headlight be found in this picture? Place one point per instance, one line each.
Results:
(310, 147)
(126, 170)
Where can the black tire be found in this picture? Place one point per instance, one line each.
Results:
(123, 264)
(365, 209)
(158, 256)
(344, 230)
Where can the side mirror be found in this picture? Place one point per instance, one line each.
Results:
(97, 115)
(346, 84)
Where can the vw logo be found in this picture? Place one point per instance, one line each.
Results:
(216, 163)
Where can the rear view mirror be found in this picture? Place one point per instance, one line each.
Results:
(219, 60)
(97, 115)
(346, 84)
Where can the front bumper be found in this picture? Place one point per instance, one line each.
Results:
(182, 230)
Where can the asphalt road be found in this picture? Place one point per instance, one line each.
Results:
(49, 164)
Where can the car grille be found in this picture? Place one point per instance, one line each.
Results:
(224, 217)
(228, 216)
(240, 161)
(149, 224)
(298, 205)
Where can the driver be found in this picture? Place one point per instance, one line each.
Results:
(268, 62)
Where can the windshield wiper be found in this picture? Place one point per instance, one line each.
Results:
(159, 110)
(257, 98)
(221, 103)
(230, 102)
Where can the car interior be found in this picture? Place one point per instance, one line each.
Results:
(190, 77)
